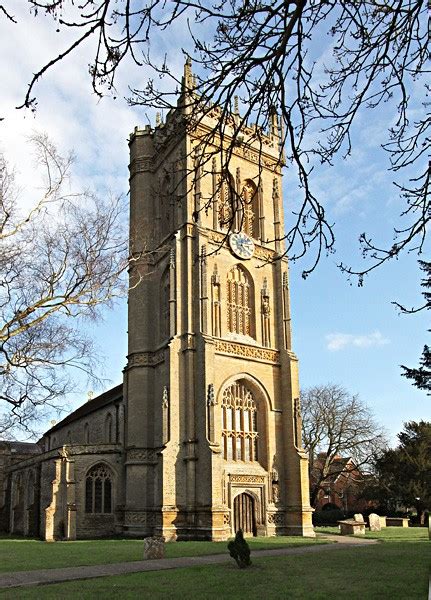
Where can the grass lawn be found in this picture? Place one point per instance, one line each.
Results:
(393, 570)
(387, 534)
(22, 554)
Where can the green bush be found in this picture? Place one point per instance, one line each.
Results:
(327, 517)
(240, 550)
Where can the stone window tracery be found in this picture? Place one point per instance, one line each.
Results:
(98, 490)
(240, 304)
(249, 203)
(239, 425)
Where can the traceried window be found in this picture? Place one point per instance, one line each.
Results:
(240, 302)
(98, 490)
(239, 426)
(250, 208)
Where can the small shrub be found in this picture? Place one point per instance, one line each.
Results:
(239, 550)
(327, 517)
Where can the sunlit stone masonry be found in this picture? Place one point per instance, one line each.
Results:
(204, 435)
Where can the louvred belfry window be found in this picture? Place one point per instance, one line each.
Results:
(98, 490)
(239, 426)
(240, 305)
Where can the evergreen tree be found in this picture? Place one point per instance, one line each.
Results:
(403, 474)
(421, 376)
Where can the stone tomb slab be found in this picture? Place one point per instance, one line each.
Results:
(352, 527)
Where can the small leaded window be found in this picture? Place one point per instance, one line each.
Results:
(239, 426)
(98, 490)
(240, 317)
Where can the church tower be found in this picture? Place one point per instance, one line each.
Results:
(213, 426)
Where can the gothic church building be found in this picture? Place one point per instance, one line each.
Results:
(204, 435)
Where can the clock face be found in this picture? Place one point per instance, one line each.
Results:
(241, 245)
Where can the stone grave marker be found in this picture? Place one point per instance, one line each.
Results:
(358, 518)
(154, 547)
(374, 521)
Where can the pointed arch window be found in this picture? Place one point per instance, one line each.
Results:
(239, 425)
(250, 208)
(98, 490)
(240, 302)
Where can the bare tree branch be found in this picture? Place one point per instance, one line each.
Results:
(337, 425)
(61, 261)
(264, 54)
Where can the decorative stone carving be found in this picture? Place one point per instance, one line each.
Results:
(165, 397)
(165, 416)
(216, 302)
(154, 548)
(297, 422)
(256, 479)
(216, 237)
(141, 165)
(188, 342)
(133, 518)
(212, 401)
(140, 518)
(226, 519)
(146, 359)
(275, 518)
(266, 312)
(275, 493)
(264, 253)
(263, 354)
(143, 455)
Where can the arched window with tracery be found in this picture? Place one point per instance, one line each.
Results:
(98, 490)
(240, 302)
(240, 423)
(250, 209)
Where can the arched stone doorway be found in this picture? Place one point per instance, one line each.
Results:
(244, 514)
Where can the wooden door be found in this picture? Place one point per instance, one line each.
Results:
(244, 514)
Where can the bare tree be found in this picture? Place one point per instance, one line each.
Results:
(264, 53)
(61, 260)
(336, 424)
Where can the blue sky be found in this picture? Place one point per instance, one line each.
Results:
(341, 333)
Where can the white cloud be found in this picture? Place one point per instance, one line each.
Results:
(339, 341)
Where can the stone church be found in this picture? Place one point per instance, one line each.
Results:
(204, 435)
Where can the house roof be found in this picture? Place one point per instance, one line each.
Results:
(337, 466)
(21, 448)
(109, 397)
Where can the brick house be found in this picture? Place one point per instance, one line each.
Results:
(342, 488)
